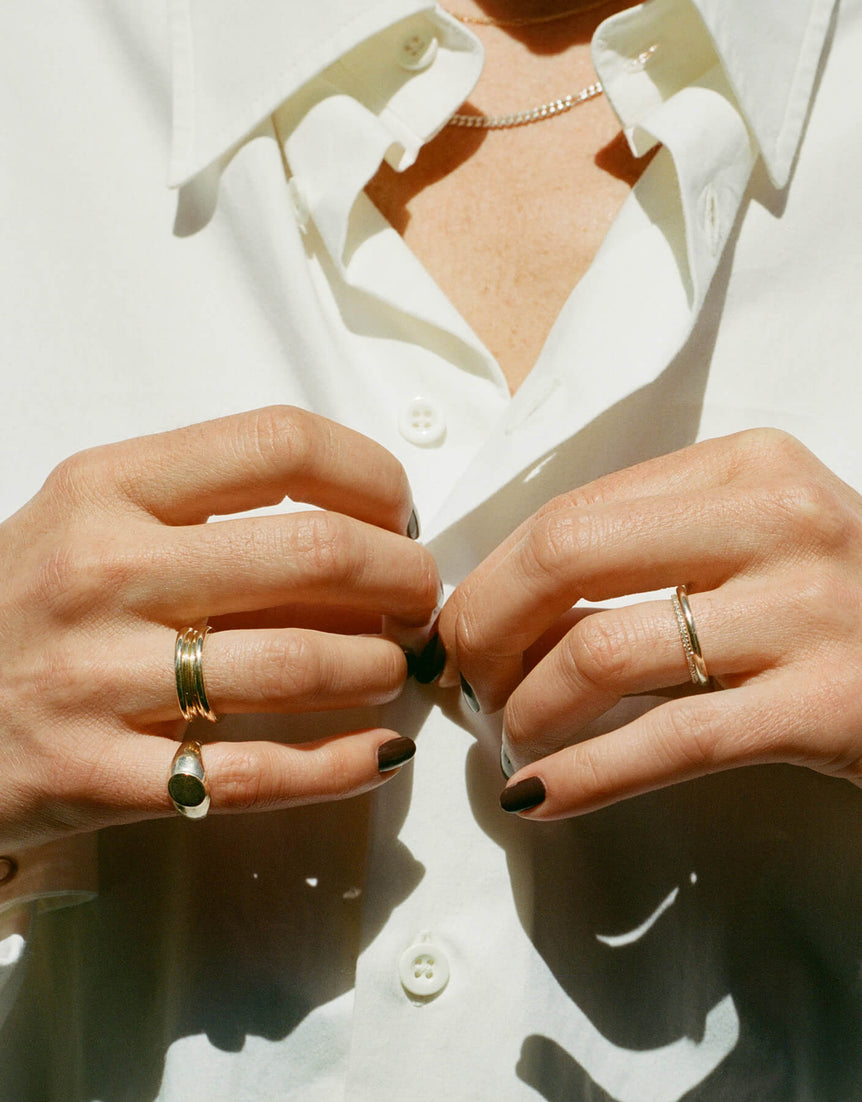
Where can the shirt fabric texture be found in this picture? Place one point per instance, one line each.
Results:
(702, 942)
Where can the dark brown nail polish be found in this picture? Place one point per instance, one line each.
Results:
(470, 696)
(428, 666)
(8, 869)
(393, 753)
(523, 795)
(413, 526)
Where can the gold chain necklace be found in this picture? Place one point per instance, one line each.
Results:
(529, 20)
(534, 114)
(545, 110)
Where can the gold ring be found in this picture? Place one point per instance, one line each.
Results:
(187, 782)
(688, 634)
(189, 673)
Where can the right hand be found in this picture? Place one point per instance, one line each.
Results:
(113, 556)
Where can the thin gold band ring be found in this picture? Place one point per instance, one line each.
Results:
(688, 634)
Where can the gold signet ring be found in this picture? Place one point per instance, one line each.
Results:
(187, 782)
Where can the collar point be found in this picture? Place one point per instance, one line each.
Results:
(779, 165)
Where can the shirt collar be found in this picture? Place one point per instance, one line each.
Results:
(234, 64)
(771, 53)
(768, 52)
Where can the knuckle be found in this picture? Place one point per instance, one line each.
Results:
(516, 721)
(599, 785)
(478, 641)
(66, 579)
(826, 517)
(57, 575)
(271, 778)
(391, 671)
(469, 640)
(278, 431)
(813, 511)
(100, 478)
(419, 579)
(691, 731)
(555, 541)
(76, 577)
(566, 548)
(804, 497)
(239, 781)
(339, 780)
(324, 543)
(771, 448)
(819, 596)
(513, 720)
(289, 669)
(556, 504)
(77, 478)
(55, 678)
(600, 650)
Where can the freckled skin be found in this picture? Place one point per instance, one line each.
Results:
(508, 221)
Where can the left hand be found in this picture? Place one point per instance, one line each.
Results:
(769, 543)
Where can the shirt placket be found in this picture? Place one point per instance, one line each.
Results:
(621, 328)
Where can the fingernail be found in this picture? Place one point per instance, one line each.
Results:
(427, 666)
(395, 752)
(506, 763)
(413, 526)
(523, 795)
(469, 695)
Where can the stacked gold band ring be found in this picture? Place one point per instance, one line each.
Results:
(189, 671)
(688, 634)
(187, 782)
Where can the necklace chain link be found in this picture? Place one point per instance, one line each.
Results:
(535, 114)
(545, 110)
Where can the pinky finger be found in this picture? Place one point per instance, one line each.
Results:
(261, 776)
(678, 741)
(255, 776)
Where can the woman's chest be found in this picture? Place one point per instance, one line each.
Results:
(508, 222)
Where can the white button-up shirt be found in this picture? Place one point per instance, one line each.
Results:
(702, 942)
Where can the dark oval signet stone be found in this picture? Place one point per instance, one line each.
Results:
(186, 790)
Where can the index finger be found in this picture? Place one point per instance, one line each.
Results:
(707, 465)
(256, 459)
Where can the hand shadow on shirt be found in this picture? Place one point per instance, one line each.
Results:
(555, 1075)
(649, 913)
(752, 878)
(234, 926)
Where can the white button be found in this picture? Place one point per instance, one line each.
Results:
(423, 968)
(298, 202)
(422, 422)
(417, 51)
